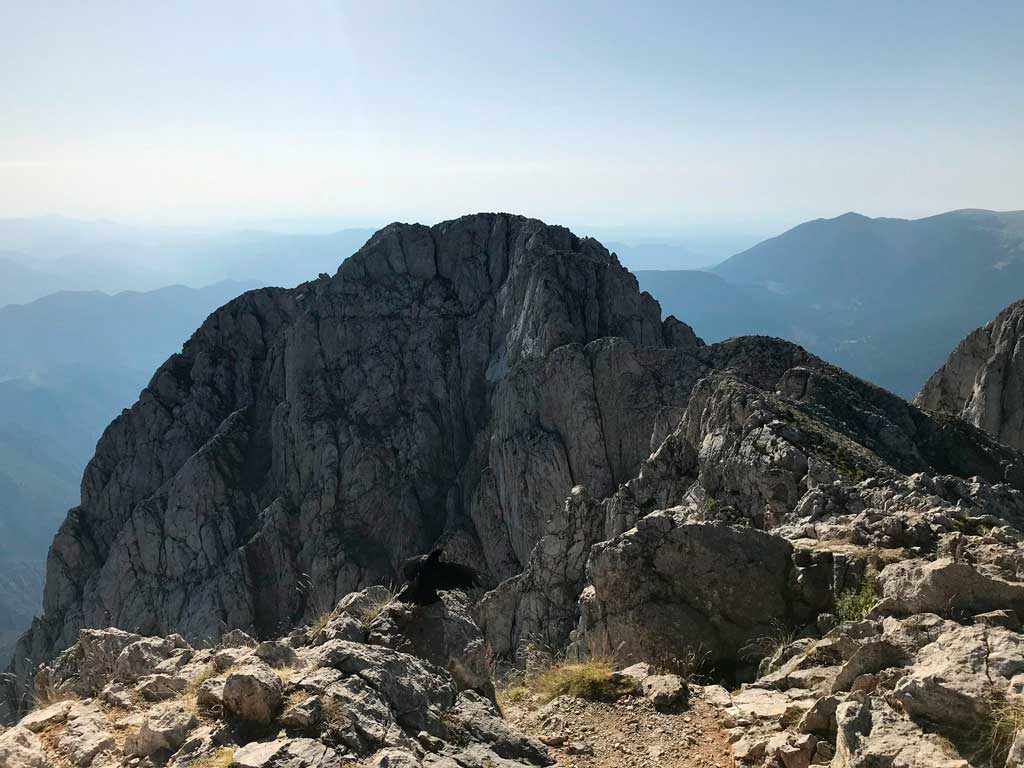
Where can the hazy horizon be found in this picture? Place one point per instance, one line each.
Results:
(666, 121)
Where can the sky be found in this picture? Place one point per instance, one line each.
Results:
(639, 119)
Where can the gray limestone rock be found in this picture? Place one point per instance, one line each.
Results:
(982, 382)
(253, 694)
(666, 589)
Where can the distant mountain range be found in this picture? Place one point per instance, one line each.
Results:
(886, 299)
(40, 256)
(68, 364)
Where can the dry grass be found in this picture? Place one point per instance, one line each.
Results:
(46, 695)
(321, 621)
(335, 717)
(592, 679)
(691, 665)
(1005, 722)
(370, 613)
(222, 758)
(285, 674)
(769, 646)
(515, 694)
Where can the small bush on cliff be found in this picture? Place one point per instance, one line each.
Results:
(854, 604)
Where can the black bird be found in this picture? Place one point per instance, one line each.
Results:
(426, 574)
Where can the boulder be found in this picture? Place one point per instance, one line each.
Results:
(798, 752)
(443, 633)
(870, 657)
(954, 680)
(41, 719)
(143, 656)
(162, 730)
(276, 653)
(287, 753)
(821, 717)
(253, 694)
(236, 638)
(21, 748)
(394, 758)
(341, 627)
(86, 734)
(364, 604)
(480, 719)
(870, 734)
(944, 586)
(668, 693)
(210, 694)
(302, 714)
(161, 687)
(413, 688)
(668, 589)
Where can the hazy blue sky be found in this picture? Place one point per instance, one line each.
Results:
(649, 117)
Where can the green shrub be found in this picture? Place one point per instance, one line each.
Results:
(855, 604)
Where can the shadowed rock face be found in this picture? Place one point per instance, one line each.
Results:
(982, 382)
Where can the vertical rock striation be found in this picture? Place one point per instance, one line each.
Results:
(982, 382)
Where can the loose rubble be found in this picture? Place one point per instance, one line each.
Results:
(322, 703)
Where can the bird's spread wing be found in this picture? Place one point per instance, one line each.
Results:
(454, 576)
(411, 568)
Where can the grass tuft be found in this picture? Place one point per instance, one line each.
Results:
(1005, 722)
(592, 679)
(222, 758)
(335, 717)
(515, 694)
(46, 695)
(855, 604)
(321, 621)
(370, 613)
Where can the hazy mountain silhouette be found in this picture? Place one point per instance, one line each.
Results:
(40, 256)
(884, 298)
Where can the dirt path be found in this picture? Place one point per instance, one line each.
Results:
(584, 734)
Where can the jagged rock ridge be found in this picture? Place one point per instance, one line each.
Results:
(982, 382)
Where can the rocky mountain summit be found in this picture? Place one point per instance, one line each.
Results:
(983, 380)
(851, 566)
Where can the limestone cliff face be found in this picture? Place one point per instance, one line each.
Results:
(983, 379)
(449, 383)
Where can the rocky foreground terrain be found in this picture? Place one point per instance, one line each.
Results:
(358, 687)
(824, 572)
